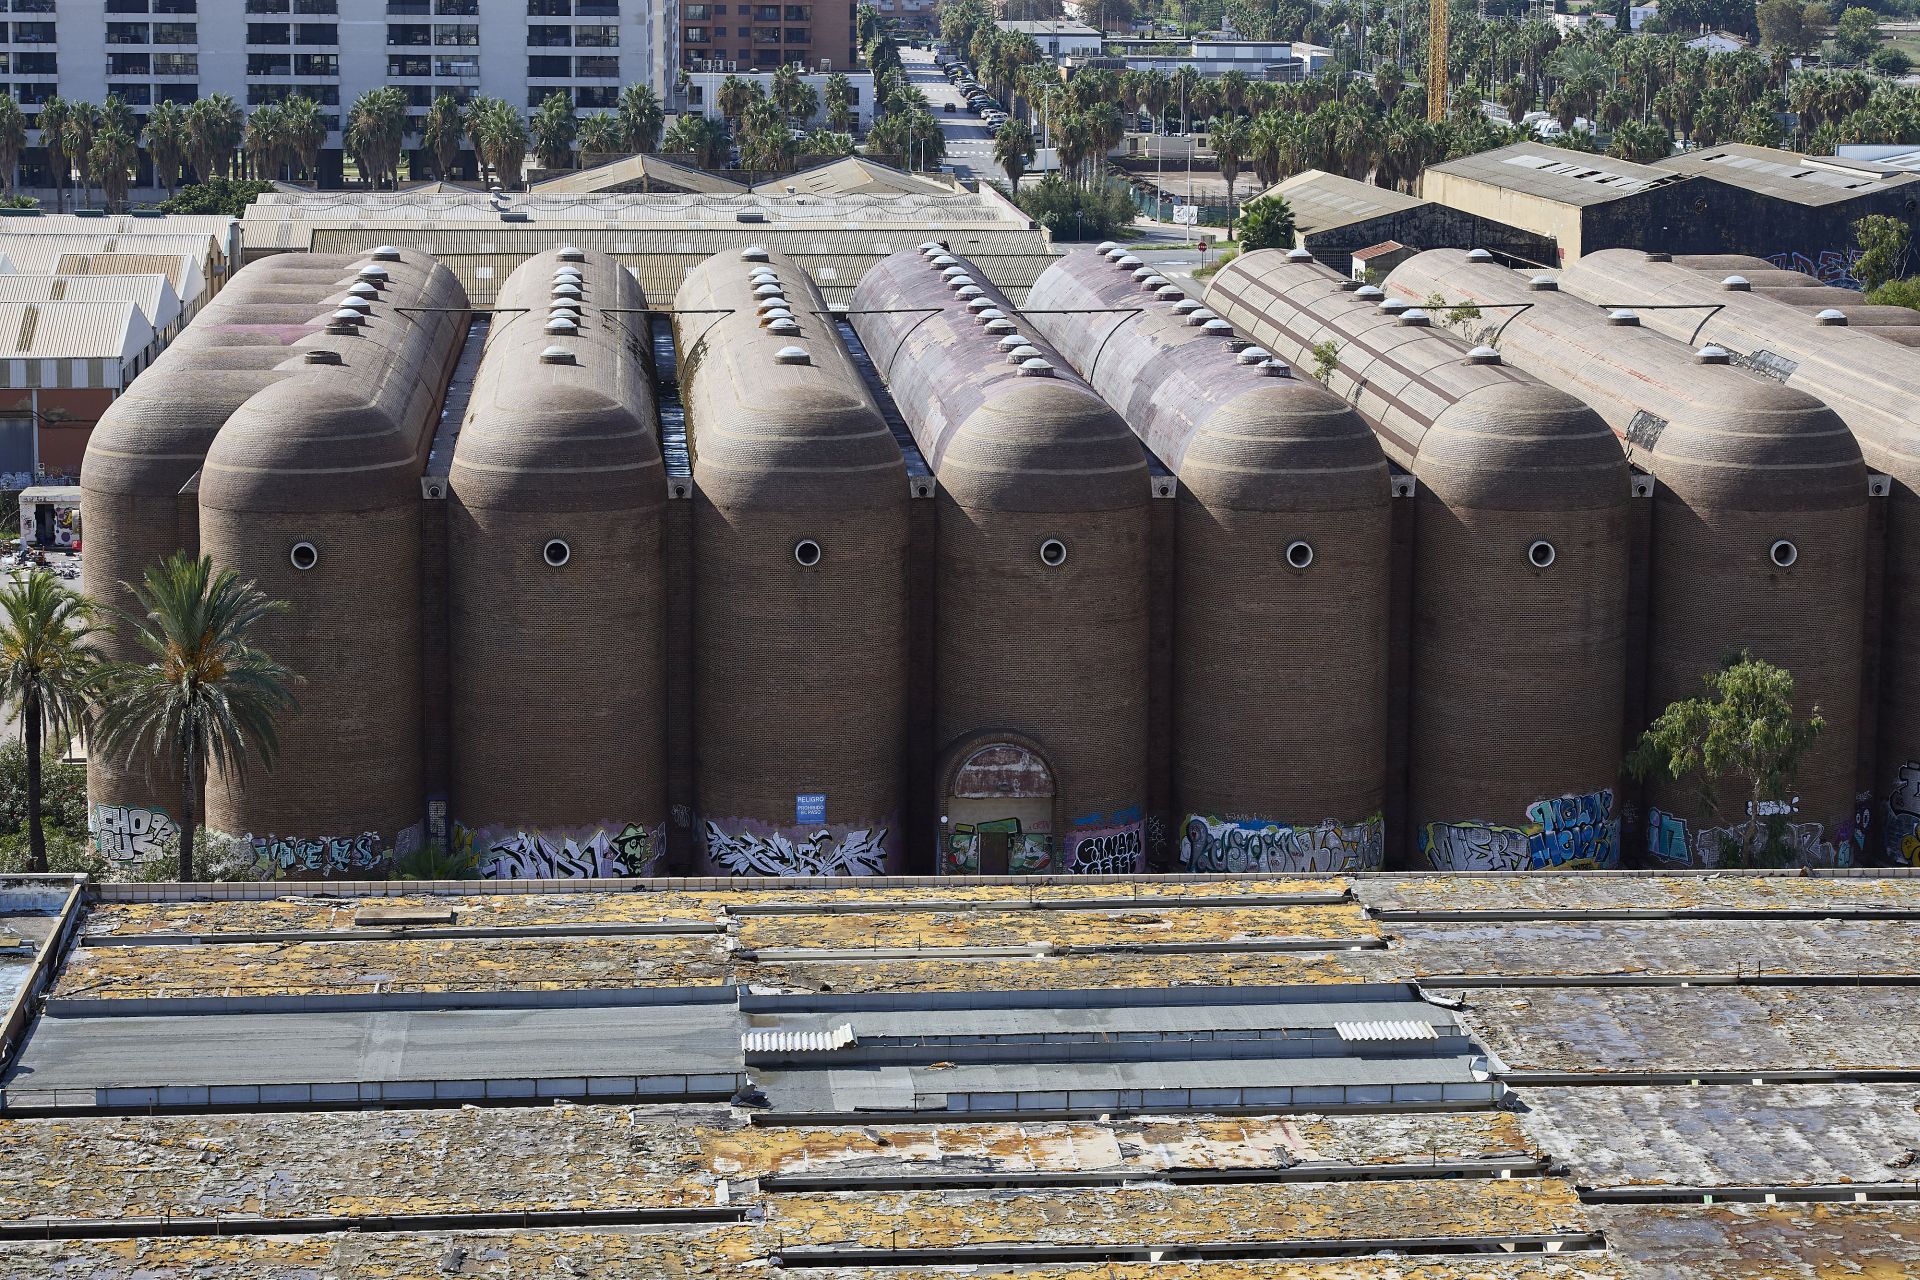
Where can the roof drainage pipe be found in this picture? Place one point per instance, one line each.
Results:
(1873, 386)
(1519, 567)
(1759, 524)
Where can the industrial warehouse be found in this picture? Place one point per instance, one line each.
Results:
(741, 582)
(1531, 1076)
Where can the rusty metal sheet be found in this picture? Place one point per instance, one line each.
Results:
(658, 1255)
(411, 965)
(1116, 1217)
(1435, 952)
(1697, 1029)
(1161, 926)
(1763, 1242)
(1589, 891)
(1074, 972)
(1729, 1135)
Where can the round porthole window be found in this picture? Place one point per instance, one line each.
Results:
(1783, 553)
(1053, 553)
(1299, 554)
(556, 552)
(806, 553)
(304, 555)
(1541, 554)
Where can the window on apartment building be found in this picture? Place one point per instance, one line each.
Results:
(316, 64)
(182, 93)
(549, 68)
(33, 6)
(259, 95)
(456, 33)
(596, 9)
(766, 35)
(126, 6)
(409, 65)
(176, 33)
(176, 64)
(799, 35)
(269, 6)
(316, 6)
(317, 33)
(694, 35)
(269, 64)
(409, 34)
(456, 69)
(33, 33)
(693, 13)
(539, 93)
(549, 37)
(598, 67)
(269, 33)
(549, 8)
(36, 64)
(129, 64)
(176, 6)
(135, 95)
(418, 95)
(596, 37)
(34, 94)
(799, 13)
(127, 33)
(766, 59)
(456, 8)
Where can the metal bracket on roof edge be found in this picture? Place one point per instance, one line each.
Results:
(921, 486)
(1878, 486)
(679, 488)
(433, 487)
(1404, 486)
(1642, 485)
(1165, 486)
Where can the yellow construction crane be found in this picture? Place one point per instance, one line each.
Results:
(1436, 59)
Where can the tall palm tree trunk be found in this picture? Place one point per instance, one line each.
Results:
(189, 806)
(36, 833)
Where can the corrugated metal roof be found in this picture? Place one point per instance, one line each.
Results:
(180, 269)
(153, 294)
(1554, 173)
(1785, 175)
(71, 330)
(623, 174)
(855, 175)
(40, 253)
(1394, 1031)
(212, 224)
(1323, 201)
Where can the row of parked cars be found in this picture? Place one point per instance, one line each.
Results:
(960, 76)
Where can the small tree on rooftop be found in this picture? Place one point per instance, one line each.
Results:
(1743, 735)
(1266, 222)
(1883, 249)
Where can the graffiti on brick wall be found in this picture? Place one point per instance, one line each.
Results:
(1029, 851)
(1667, 837)
(1902, 843)
(1211, 844)
(1106, 844)
(600, 851)
(133, 835)
(1565, 831)
(276, 856)
(1671, 839)
(1829, 266)
(743, 847)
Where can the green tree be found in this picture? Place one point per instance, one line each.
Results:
(1641, 143)
(1013, 151)
(13, 139)
(167, 143)
(1890, 62)
(1743, 734)
(1897, 293)
(1266, 223)
(700, 137)
(1230, 137)
(440, 133)
(375, 134)
(218, 195)
(1783, 26)
(206, 697)
(1326, 359)
(1855, 35)
(841, 115)
(641, 118)
(47, 672)
(52, 123)
(553, 128)
(601, 134)
(83, 119)
(1883, 249)
(305, 129)
(112, 156)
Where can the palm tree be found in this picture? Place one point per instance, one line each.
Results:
(214, 127)
(112, 157)
(167, 143)
(841, 117)
(261, 142)
(53, 136)
(440, 132)
(13, 139)
(303, 132)
(1229, 138)
(735, 96)
(697, 136)
(46, 674)
(1186, 87)
(600, 134)
(502, 138)
(641, 118)
(376, 134)
(553, 128)
(1013, 151)
(206, 698)
(83, 118)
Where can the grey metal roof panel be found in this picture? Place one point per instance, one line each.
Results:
(1324, 201)
(1540, 892)
(1553, 173)
(1119, 1019)
(1729, 1135)
(1762, 1242)
(1436, 951)
(1784, 175)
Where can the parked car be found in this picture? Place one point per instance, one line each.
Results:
(947, 107)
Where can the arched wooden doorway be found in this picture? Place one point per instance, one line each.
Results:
(998, 814)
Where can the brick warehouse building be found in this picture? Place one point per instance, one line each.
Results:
(951, 582)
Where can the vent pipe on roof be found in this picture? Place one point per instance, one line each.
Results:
(1830, 316)
(1711, 354)
(320, 355)
(1544, 284)
(1298, 254)
(1736, 284)
(1483, 355)
(556, 355)
(792, 355)
(1035, 367)
(1623, 318)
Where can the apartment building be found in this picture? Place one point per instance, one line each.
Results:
(729, 36)
(259, 51)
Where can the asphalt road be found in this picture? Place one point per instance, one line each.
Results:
(969, 145)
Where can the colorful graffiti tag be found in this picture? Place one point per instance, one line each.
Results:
(1028, 852)
(743, 847)
(1210, 844)
(1902, 841)
(1829, 266)
(1109, 844)
(1670, 839)
(275, 856)
(597, 852)
(130, 834)
(1566, 831)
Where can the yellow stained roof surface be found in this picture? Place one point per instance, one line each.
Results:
(1146, 926)
(1091, 972)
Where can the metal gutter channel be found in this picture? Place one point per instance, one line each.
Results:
(979, 906)
(1387, 915)
(129, 1228)
(408, 934)
(387, 1002)
(1437, 1246)
(1489, 1167)
(1648, 980)
(783, 1001)
(1621, 1079)
(843, 1119)
(779, 955)
(1842, 1193)
(20, 1012)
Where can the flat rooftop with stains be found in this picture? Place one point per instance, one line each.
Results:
(1591, 1076)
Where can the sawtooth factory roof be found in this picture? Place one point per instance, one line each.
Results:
(1545, 1076)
